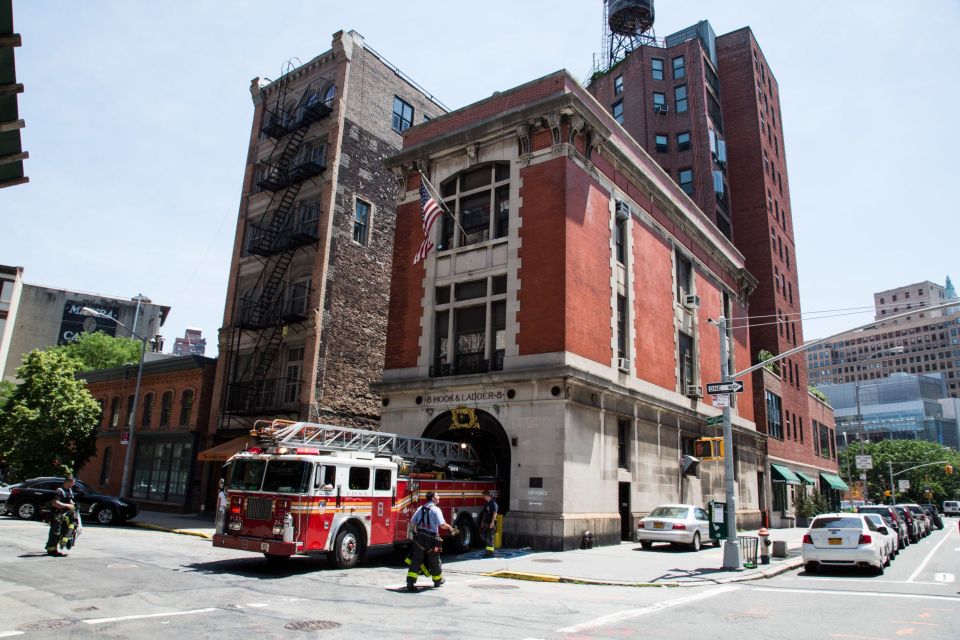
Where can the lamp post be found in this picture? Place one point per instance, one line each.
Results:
(131, 423)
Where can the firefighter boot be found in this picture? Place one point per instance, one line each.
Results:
(438, 583)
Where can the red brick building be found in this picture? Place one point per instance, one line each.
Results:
(561, 325)
(171, 426)
(707, 108)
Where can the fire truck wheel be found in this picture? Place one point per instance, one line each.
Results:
(348, 548)
(276, 559)
(468, 536)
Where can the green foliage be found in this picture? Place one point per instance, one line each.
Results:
(819, 395)
(905, 454)
(763, 355)
(100, 351)
(809, 505)
(6, 391)
(49, 424)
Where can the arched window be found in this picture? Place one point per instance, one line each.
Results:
(147, 410)
(480, 199)
(166, 403)
(186, 407)
(103, 410)
(115, 412)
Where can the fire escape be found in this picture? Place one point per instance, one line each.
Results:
(273, 306)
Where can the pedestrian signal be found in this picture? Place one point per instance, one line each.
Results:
(690, 466)
(949, 469)
(708, 448)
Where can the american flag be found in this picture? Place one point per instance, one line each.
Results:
(429, 212)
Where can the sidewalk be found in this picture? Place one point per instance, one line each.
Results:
(625, 564)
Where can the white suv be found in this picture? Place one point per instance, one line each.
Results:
(951, 508)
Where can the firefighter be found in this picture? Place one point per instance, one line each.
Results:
(488, 523)
(62, 520)
(425, 551)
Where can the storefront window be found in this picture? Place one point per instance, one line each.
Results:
(161, 471)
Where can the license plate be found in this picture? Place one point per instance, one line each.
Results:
(658, 525)
(836, 540)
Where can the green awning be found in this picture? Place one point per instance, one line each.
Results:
(805, 479)
(784, 475)
(834, 481)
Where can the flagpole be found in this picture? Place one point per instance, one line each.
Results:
(439, 200)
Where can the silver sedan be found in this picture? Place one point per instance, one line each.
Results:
(685, 524)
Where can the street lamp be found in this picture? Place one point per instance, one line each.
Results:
(124, 479)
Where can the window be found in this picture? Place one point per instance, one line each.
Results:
(166, 403)
(680, 97)
(618, 111)
(662, 142)
(293, 375)
(130, 400)
(161, 470)
(147, 409)
(361, 220)
(186, 406)
(359, 479)
(620, 239)
(659, 102)
(683, 141)
(621, 326)
(105, 469)
(774, 416)
(656, 64)
(686, 180)
(618, 85)
(780, 497)
(115, 412)
(685, 360)
(478, 330)
(623, 444)
(474, 194)
(679, 68)
(402, 115)
(684, 274)
(382, 480)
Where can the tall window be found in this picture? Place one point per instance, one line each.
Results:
(186, 407)
(685, 360)
(105, 469)
(684, 276)
(683, 141)
(361, 221)
(618, 85)
(166, 403)
(620, 239)
(617, 110)
(294, 374)
(685, 178)
(623, 444)
(680, 97)
(480, 199)
(656, 64)
(130, 411)
(147, 409)
(774, 416)
(679, 68)
(663, 144)
(402, 115)
(115, 412)
(475, 317)
(621, 326)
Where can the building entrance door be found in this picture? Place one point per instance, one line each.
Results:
(626, 530)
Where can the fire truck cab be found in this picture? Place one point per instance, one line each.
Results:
(310, 488)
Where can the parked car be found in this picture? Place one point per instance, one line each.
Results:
(844, 540)
(890, 537)
(32, 498)
(921, 515)
(933, 514)
(4, 495)
(892, 519)
(913, 526)
(677, 524)
(951, 507)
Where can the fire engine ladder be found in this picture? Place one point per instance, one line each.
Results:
(325, 437)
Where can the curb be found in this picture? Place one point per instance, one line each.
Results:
(182, 532)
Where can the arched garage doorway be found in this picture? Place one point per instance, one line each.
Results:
(488, 438)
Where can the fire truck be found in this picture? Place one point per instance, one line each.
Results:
(307, 488)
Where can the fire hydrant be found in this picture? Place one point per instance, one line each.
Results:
(765, 543)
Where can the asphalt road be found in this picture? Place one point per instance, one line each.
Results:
(131, 583)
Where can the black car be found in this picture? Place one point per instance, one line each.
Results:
(31, 500)
(934, 514)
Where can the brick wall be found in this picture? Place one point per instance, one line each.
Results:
(653, 307)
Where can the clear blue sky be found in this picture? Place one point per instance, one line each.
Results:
(138, 114)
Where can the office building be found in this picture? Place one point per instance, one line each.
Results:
(192, 343)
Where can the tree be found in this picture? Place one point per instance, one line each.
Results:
(763, 355)
(6, 390)
(905, 454)
(49, 425)
(99, 351)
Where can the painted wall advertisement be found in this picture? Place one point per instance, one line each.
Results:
(74, 322)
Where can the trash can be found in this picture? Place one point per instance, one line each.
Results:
(748, 550)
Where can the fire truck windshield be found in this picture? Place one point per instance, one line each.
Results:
(275, 476)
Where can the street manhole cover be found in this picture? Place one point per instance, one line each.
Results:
(312, 625)
(546, 560)
(45, 625)
(494, 586)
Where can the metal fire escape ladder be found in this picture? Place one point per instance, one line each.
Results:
(325, 437)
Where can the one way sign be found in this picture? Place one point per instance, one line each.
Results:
(725, 387)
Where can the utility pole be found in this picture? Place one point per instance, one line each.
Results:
(863, 472)
(731, 546)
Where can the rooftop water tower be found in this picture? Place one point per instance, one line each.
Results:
(630, 24)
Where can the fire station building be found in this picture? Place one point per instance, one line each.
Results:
(561, 325)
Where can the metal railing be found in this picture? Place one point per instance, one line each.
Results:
(293, 306)
(466, 364)
(265, 396)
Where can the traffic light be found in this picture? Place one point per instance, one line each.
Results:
(708, 448)
(690, 466)
(886, 493)
(949, 469)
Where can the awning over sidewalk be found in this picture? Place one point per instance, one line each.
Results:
(834, 481)
(783, 475)
(223, 451)
(805, 479)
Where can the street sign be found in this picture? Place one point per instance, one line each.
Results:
(903, 485)
(712, 421)
(125, 437)
(721, 400)
(725, 387)
(864, 462)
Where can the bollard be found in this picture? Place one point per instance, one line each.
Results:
(764, 536)
(587, 541)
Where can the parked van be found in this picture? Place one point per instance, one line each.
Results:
(951, 508)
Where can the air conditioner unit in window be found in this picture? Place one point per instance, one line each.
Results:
(660, 108)
(622, 210)
(691, 302)
(694, 391)
(623, 364)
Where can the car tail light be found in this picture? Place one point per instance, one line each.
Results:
(807, 539)
(640, 525)
(865, 538)
(14, 491)
(679, 525)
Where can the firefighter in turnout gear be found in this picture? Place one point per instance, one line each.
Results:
(63, 520)
(425, 550)
(488, 523)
